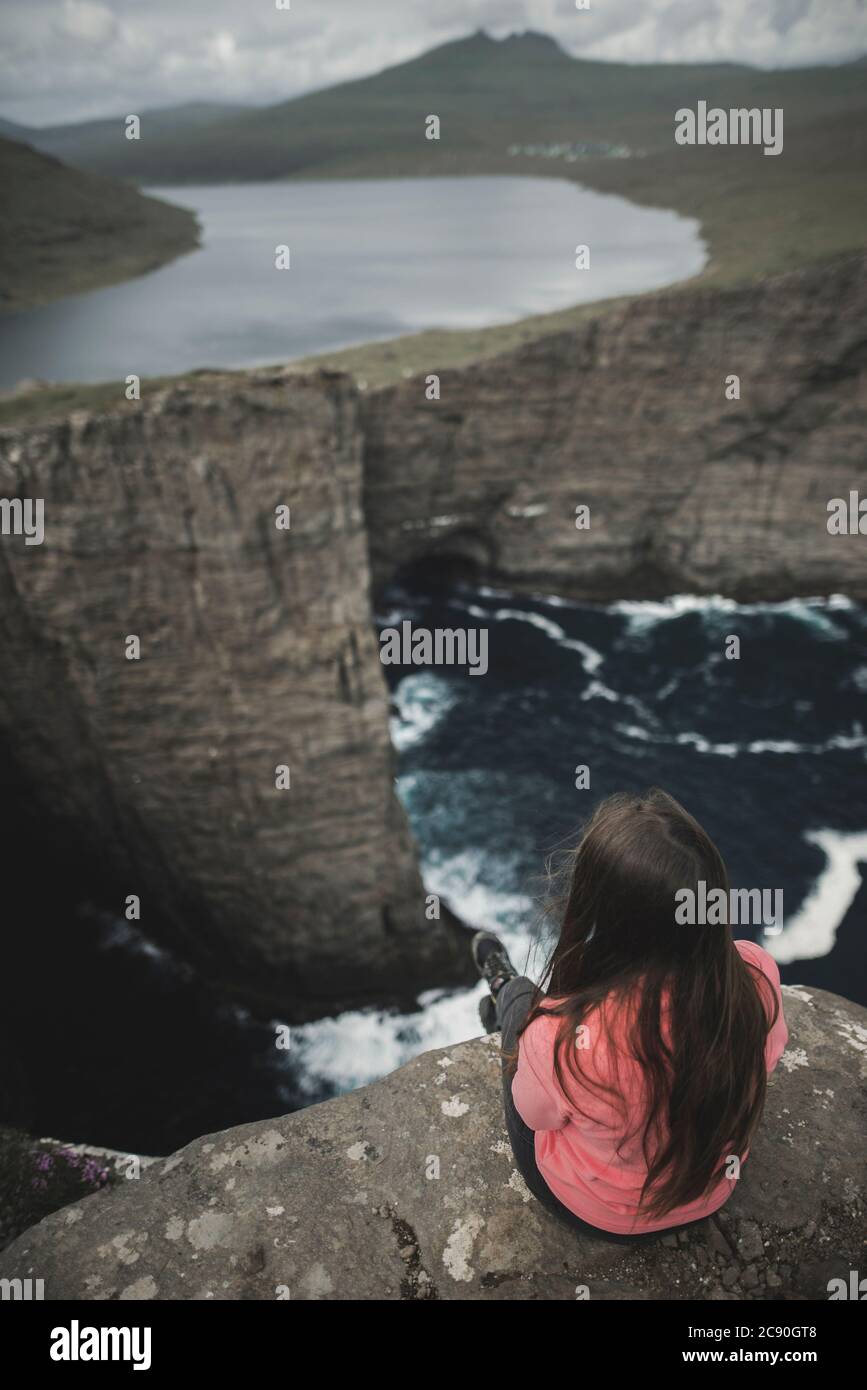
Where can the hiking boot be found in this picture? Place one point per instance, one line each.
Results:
(492, 961)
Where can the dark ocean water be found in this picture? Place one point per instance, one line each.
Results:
(768, 751)
(119, 1044)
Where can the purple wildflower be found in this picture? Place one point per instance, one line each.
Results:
(93, 1173)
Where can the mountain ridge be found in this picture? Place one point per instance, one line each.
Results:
(491, 92)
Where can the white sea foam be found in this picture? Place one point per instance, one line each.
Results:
(519, 615)
(836, 743)
(645, 613)
(704, 745)
(357, 1047)
(392, 618)
(845, 743)
(462, 880)
(421, 699)
(812, 931)
(596, 690)
(635, 731)
(554, 601)
(117, 933)
(591, 659)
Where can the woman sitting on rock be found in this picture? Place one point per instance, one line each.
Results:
(634, 1078)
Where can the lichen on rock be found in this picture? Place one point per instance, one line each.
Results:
(379, 1194)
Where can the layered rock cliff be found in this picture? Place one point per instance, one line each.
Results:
(688, 491)
(407, 1189)
(257, 649)
(257, 653)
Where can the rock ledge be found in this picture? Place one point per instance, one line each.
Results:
(406, 1189)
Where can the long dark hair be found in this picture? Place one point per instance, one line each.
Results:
(619, 941)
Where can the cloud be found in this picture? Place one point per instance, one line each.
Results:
(591, 28)
(81, 19)
(787, 13)
(85, 58)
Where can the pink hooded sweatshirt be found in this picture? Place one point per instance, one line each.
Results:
(577, 1153)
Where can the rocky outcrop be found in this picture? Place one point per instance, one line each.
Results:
(407, 1189)
(256, 653)
(688, 491)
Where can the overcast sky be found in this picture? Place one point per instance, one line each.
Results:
(63, 60)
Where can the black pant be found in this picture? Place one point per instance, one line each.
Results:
(512, 1005)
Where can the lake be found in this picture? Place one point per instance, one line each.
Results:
(369, 259)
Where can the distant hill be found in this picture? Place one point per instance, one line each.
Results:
(102, 146)
(11, 131)
(63, 231)
(489, 94)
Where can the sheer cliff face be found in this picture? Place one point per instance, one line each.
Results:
(257, 648)
(257, 652)
(687, 490)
